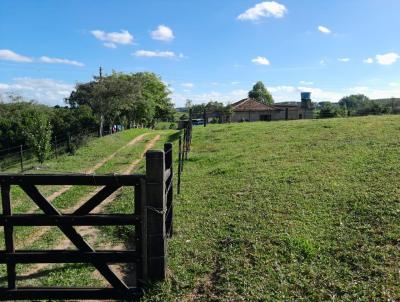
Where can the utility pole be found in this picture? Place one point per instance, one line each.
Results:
(101, 116)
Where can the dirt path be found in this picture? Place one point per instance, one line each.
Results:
(40, 232)
(130, 144)
(94, 168)
(88, 231)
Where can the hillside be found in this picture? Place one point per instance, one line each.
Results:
(306, 210)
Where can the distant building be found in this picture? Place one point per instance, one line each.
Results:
(251, 110)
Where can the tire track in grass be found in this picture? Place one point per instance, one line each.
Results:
(40, 232)
(89, 231)
(98, 165)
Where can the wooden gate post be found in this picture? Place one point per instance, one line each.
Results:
(170, 189)
(156, 210)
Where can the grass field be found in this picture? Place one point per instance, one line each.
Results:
(304, 210)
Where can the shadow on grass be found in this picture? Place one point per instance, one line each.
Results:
(174, 137)
(46, 272)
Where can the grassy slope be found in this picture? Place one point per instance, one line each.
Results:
(289, 211)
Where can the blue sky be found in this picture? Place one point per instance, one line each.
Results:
(205, 49)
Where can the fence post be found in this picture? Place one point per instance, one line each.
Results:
(170, 187)
(156, 210)
(141, 232)
(8, 234)
(179, 165)
(21, 155)
(184, 142)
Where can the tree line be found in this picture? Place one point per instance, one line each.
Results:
(358, 105)
(127, 100)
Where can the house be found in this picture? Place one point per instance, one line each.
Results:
(250, 110)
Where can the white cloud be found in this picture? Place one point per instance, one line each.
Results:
(235, 83)
(344, 60)
(368, 60)
(111, 39)
(394, 84)
(261, 61)
(228, 97)
(45, 59)
(264, 9)
(162, 33)
(9, 55)
(187, 85)
(110, 45)
(292, 93)
(4, 86)
(48, 91)
(374, 93)
(153, 54)
(324, 30)
(306, 83)
(388, 58)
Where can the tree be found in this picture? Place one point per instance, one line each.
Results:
(125, 98)
(188, 104)
(38, 134)
(327, 110)
(261, 94)
(353, 103)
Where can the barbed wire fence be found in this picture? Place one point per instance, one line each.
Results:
(185, 141)
(22, 156)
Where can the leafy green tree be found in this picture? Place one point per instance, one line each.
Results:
(328, 110)
(261, 94)
(125, 98)
(38, 134)
(354, 102)
(198, 110)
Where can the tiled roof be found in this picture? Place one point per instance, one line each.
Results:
(252, 105)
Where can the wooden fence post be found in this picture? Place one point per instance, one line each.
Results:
(170, 187)
(179, 165)
(8, 235)
(156, 210)
(141, 232)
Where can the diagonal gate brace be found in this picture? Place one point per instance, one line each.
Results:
(72, 234)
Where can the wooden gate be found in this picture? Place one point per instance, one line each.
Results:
(151, 216)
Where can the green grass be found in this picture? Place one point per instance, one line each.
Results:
(303, 210)
(286, 211)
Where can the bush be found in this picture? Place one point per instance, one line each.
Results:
(38, 134)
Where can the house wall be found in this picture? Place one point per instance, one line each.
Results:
(255, 116)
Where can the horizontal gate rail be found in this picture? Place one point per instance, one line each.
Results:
(26, 293)
(69, 219)
(70, 179)
(61, 256)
